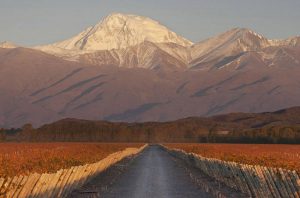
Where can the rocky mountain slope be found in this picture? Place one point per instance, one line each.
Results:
(146, 73)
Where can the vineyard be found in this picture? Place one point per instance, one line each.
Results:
(277, 156)
(25, 158)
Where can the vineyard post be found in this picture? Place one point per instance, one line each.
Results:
(296, 181)
(271, 182)
(21, 185)
(58, 185)
(285, 182)
(52, 185)
(65, 182)
(29, 185)
(278, 183)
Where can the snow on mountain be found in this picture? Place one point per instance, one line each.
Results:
(131, 41)
(125, 41)
(244, 71)
(293, 42)
(230, 43)
(231, 46)
(119, 31)
(145, 55)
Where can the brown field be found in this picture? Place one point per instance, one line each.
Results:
(279, 156)
(25, 158)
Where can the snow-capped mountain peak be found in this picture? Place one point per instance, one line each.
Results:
(119, 31)
(245, 38)
(232, 42)
(127, 40)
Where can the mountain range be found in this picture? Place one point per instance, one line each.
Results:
(132, 68)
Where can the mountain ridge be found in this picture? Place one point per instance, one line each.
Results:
(238, 70)
(214, 50)
(112, 40)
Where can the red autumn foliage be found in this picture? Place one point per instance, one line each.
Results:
(275, 155)
(25, 158)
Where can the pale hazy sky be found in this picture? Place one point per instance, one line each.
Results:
(32, 22)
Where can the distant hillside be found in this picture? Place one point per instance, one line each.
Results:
(289, 116)
(278, 127)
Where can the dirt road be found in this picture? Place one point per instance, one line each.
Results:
(152, 174)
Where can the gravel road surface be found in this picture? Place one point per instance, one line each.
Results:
(154, 173)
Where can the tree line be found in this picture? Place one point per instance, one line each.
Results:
(192, 130)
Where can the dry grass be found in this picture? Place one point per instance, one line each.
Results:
(25, 158)
(280, 156)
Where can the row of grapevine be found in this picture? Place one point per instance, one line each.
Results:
(61, 183)
(254, 181)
